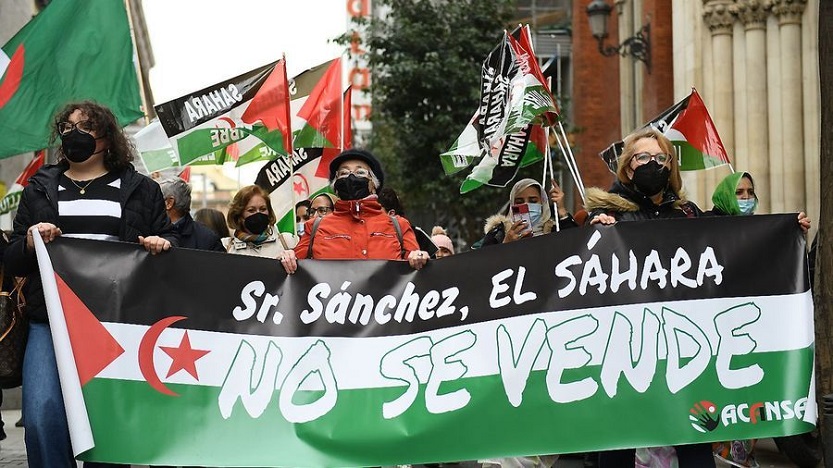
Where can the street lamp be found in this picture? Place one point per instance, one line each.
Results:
(637, 46)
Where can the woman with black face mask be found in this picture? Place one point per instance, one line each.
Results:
(253, 220)
(648, 184)
(93, 192)
(359, 227)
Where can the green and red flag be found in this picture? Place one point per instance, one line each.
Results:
(370, 363)
(323, 119)
(532, 101)
(70, 51)
(214, 125)
(692, 131)
(12, 198)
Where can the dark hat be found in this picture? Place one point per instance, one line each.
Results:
(361, 155)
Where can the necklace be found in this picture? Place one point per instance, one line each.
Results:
(83, 189)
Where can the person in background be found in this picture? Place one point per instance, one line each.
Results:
(213, 219)
(359, 228)
(92, 192)
(192, 235)
(648, 186)
(445, 247)
(502, 228)
(390, 201)
(322, 204)
(253, 220)
(302, 214)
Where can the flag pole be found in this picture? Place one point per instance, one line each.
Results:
(139, 77)
(571, 162)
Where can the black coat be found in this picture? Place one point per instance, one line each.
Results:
(626, 204)
(143, 214)
(193, 235)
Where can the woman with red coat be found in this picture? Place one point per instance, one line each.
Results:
(359, 228)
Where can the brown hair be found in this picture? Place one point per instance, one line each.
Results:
(675, 182)
(239, 202)
(120, 152)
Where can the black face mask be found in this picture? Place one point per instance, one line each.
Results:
(78, 146)
(651, 178)
(352, 187)
(256, 223)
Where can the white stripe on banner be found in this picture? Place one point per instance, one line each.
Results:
(720, 326)
(104, 237)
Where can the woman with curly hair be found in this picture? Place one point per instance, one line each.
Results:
(253, 220)
(92, 192)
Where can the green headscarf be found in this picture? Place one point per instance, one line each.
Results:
(724, 197)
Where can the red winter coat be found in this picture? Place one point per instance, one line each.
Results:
(357, 230)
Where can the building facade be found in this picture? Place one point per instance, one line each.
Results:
(754, 62)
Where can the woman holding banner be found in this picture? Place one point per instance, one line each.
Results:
(253, 220)
(648, 186)
(359, 228)
(735, 196)
(95, 193)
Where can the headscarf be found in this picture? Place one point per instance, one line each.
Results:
(724, 197)
(546, 214)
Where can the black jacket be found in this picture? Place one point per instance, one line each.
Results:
(626, 204)
(143, 214)
(193, 235)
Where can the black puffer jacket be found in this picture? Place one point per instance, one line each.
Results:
(626, 204)
(143, 214)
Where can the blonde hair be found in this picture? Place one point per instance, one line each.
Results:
(675, 181)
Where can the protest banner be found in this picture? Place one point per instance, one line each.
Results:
(577, 341)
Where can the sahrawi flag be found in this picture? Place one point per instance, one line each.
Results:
(323, 120)
(690, 128)
(70, 51)
(229, 120)
(12, 199)
(505, 132)
(370, 363)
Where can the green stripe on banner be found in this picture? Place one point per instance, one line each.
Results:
(354, 433)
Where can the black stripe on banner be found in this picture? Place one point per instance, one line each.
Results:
(732, 257)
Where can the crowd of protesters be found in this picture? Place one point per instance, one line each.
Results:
(94, 192)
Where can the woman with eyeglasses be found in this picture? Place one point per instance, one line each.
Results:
(359, 228)
(322, 204)
(648, 184)
(92, 192)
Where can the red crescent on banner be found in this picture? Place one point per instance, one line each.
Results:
(146, 347)
(230, 122)
(13, 75)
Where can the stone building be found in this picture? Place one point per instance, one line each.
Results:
(754, 62)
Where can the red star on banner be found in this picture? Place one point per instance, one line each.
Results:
(184, 357)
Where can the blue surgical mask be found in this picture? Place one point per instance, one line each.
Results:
(535, 211)
(747, 207)
(299, 228)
